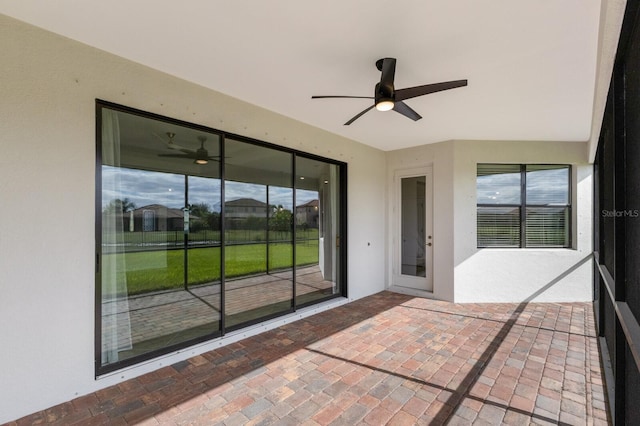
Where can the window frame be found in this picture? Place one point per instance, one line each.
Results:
(523, 207)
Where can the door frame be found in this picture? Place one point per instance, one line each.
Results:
(403, 282)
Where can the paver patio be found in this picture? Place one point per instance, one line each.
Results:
(384, 359)
(170, 313)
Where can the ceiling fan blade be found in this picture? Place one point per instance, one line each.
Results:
(347, 97)
(412, 92)
(359, 115)
(406, 110)
(388, 73)
(160, 138)
(171, 145)
(177, 155)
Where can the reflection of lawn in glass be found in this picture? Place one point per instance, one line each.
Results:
(172, 238)
(204, 264)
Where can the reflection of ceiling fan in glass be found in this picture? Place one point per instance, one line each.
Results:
(199, 156)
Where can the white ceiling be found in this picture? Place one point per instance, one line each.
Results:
(531, 65)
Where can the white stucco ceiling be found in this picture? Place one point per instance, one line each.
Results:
(531, 65)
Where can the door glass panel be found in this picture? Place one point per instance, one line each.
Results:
(258, 244)
(280, 232)
(149, 299)
(203, 256)
(412, 223)
(317, 230)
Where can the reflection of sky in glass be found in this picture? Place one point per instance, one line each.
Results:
(235, 190)
(143, 187)
(281, 196)
(304, 196)
(502, 188)
(146, 187)
(544, 187)
(548, 186)
(204, 191)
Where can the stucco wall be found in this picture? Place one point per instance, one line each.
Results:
(440, 158)
(48, 87)
(516, 275)
(464, 273)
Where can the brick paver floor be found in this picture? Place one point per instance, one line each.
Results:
(385, 359)
(171, 312)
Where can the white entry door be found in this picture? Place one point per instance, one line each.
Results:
(413, 265)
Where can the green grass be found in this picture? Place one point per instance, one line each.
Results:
(161, 270)
(139, 239)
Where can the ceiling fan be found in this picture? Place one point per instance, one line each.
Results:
(199, 156)
(386, 97)
(169, 143)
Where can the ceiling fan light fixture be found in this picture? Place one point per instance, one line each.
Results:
(201, 161)
(385, 105)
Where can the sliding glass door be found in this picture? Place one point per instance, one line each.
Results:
(160, 252)
(199, 232)
(318, 230)
(258, 228)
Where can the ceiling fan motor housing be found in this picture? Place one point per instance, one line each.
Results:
(383, 94)
(385, 91)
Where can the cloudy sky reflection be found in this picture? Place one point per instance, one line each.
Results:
(544, 187)
(146, 187)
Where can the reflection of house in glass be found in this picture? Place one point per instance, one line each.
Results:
(244, 207)
(245, 213)
(154, 217)
(307, 214)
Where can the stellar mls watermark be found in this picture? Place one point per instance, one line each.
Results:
(620, 213)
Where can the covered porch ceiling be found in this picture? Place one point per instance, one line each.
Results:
(537, 70)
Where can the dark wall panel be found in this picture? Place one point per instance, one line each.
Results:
(608, 222)
(617, 221)
(632, 384)
(632, 173)
(609, 319)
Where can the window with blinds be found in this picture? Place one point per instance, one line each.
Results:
(523, 205)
